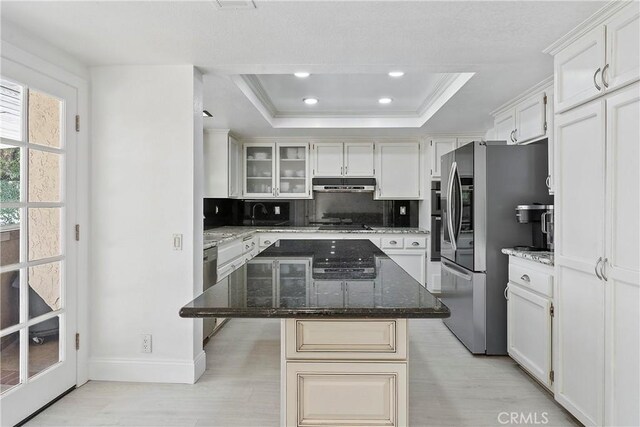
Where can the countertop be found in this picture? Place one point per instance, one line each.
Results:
(543, 257)
(319, 279)
(217, 236)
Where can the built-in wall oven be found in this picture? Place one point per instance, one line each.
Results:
(436, 221)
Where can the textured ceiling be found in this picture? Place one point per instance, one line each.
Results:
(500, 41)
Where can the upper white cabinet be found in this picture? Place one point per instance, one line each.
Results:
(524, 121)
(442, 145)
(221, 164)
(358, 159)
(604, 59)
(328, 159)
(333, 159)
(398, 171)
(276, 170)
(439, 147)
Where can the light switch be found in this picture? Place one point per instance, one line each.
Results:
(177, 242)
(276, 210)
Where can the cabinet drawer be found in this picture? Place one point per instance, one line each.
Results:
(346, 339)
(248, 244)
(531, 279)
(229, 251)
(346, 394)
(415, 243)
(228, 268)
(392, 242)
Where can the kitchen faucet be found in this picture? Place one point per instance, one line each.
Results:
(253, 212)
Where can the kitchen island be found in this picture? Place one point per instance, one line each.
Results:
(344, 306)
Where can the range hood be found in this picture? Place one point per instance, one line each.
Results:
(344, 185)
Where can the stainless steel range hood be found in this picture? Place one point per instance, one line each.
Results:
(344, 185)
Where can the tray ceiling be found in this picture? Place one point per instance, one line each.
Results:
(349, 100)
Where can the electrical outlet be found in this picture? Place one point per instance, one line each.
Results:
(403, 210)
(177, 242)
(276, 210)
(145, 343)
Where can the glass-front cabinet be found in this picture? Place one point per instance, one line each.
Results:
(276, 170)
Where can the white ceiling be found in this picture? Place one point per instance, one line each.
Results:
(499, 41)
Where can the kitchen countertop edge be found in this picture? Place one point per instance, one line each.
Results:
(541, 257)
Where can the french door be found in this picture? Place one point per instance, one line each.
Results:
(37, 217)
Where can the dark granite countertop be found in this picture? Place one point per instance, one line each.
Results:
(319, 279)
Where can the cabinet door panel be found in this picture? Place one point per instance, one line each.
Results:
(259, 170)
(530, 119)
(529, 331)
(438, 148)
(292, 176)
(358, 159)
(574, 69)
(341, 394)
(504, 125)
(398, 170)
(360, 293)
(580, 153)
(328, 159)
(623, 47)
(623, 252)
(328, 293)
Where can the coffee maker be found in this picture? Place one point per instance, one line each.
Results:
(541, 219)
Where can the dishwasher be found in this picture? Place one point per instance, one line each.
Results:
(210, 278)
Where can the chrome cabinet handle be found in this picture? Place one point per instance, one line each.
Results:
(594, 80)
(346, 168)
(515, 138)
(548, 182)
(595, 269)
(393, 242)
(602, 269)
(602, 76)
(415, 244)
(511, 136)
(506, 296)
(267, 242)
(525, 278)
(341, 170)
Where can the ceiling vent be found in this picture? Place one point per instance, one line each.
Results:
(235, 4)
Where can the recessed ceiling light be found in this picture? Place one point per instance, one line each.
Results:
(385, 100)
(396, 73)
(205, 113)
(310, 101)
(302, 74)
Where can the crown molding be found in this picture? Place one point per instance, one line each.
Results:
(317, 140)
(524, 95)
(598, 18)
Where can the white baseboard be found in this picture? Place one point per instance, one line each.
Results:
(152, 371)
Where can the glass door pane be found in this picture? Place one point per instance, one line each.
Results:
(292, 179)
(260, 282)
(259, 170)
(294, 278)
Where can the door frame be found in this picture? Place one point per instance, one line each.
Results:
(62, 74)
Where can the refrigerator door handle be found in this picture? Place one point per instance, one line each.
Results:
(452, 236)
(457, 272)
(459, 210)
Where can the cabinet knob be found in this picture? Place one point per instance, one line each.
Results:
(415, 244)
(267, 242)
(393, 242)
(525, 278)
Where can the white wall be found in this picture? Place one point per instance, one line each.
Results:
(147, 149)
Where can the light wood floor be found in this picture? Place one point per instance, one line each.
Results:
(448, 387)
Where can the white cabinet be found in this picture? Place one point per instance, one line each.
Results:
(526, 121)
(604, 59)
(529, 317)
(438, 148)
(333, 159)
(328, 159)
(276, 170)
(358, 159)
(235, 166)
(504, 125)
(398, 170)
(597, 267)
(221, 164)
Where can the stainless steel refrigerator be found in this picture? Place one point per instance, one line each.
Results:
(482, 183)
